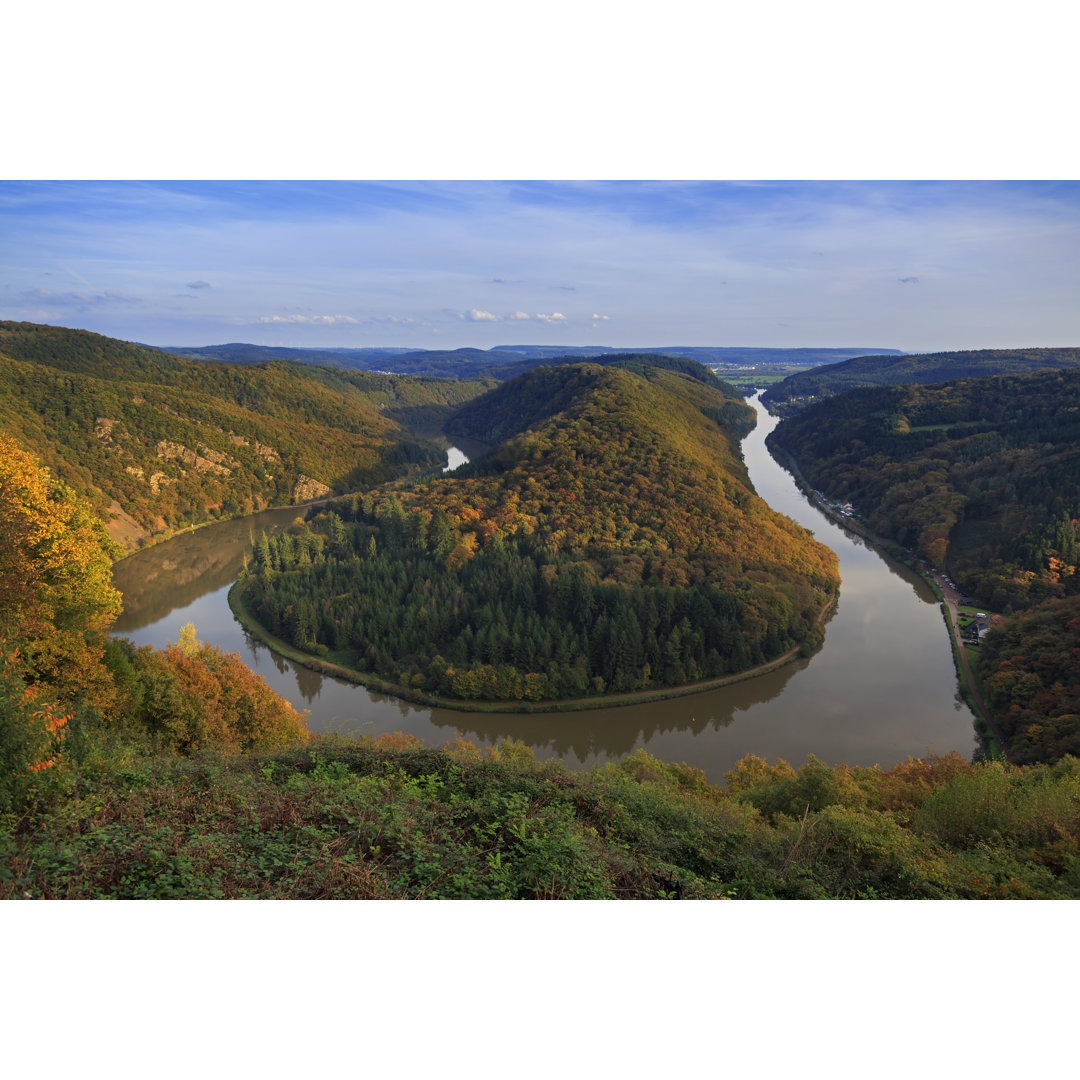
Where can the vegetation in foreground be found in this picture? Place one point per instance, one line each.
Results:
(393, 819)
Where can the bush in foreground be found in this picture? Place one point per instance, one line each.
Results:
(391, 818)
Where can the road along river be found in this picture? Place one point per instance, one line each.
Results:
(881, 688)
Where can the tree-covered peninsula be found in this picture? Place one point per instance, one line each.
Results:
(609, 542)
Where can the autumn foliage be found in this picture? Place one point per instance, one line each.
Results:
(610, 541)
(195, 697)
(56, 603)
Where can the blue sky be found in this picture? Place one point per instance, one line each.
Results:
(440, 264)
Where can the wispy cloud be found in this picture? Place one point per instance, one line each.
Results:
(908, 280)
(553, 319)
(310, 320)
(198, 284)
(51, 298)
(473, 315)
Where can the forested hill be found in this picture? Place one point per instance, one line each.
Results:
(803, 388)
(981, 477)
(518, 405)
(157, 442)
(610, 543)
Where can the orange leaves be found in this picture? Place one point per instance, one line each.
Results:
(204, 698)
(32, 722)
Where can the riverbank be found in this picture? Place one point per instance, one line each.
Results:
(967, 682)
(602, 701)
(152, 540)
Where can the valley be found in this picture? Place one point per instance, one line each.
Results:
(618, 529)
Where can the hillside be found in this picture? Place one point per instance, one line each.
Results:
(1030, 669)
(610, 541)
(980, 477)
(806, 387)
(157, 442)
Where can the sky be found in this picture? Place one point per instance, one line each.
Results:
(912, 265)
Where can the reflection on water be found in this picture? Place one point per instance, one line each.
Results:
(175, 574)
(881, 688)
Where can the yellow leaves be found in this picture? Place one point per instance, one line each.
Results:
(187, 644)
(56, 593)
(462, 552)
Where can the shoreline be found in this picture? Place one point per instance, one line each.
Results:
(600, 701)
(985, 727)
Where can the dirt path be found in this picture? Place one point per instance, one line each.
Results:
(952, 602)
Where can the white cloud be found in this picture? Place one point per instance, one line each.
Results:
(554, 317)
(479, 316)
(315, 320)
(604, 317)
(519, 315)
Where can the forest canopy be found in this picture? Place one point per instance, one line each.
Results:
(981, 477)
(609, 541)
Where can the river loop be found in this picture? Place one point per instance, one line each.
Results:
(881, 688)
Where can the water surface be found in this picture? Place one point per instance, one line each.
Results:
(881, 688)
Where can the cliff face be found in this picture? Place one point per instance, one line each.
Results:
(307, 489)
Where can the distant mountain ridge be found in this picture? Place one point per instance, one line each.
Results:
(502, 361)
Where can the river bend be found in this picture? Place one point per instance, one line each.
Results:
(881, 688)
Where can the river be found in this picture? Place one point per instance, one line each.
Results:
(881, 688)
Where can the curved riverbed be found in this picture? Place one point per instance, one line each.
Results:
(881, 688)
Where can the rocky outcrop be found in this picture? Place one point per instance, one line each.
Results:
(307, 489)
(207, 460)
